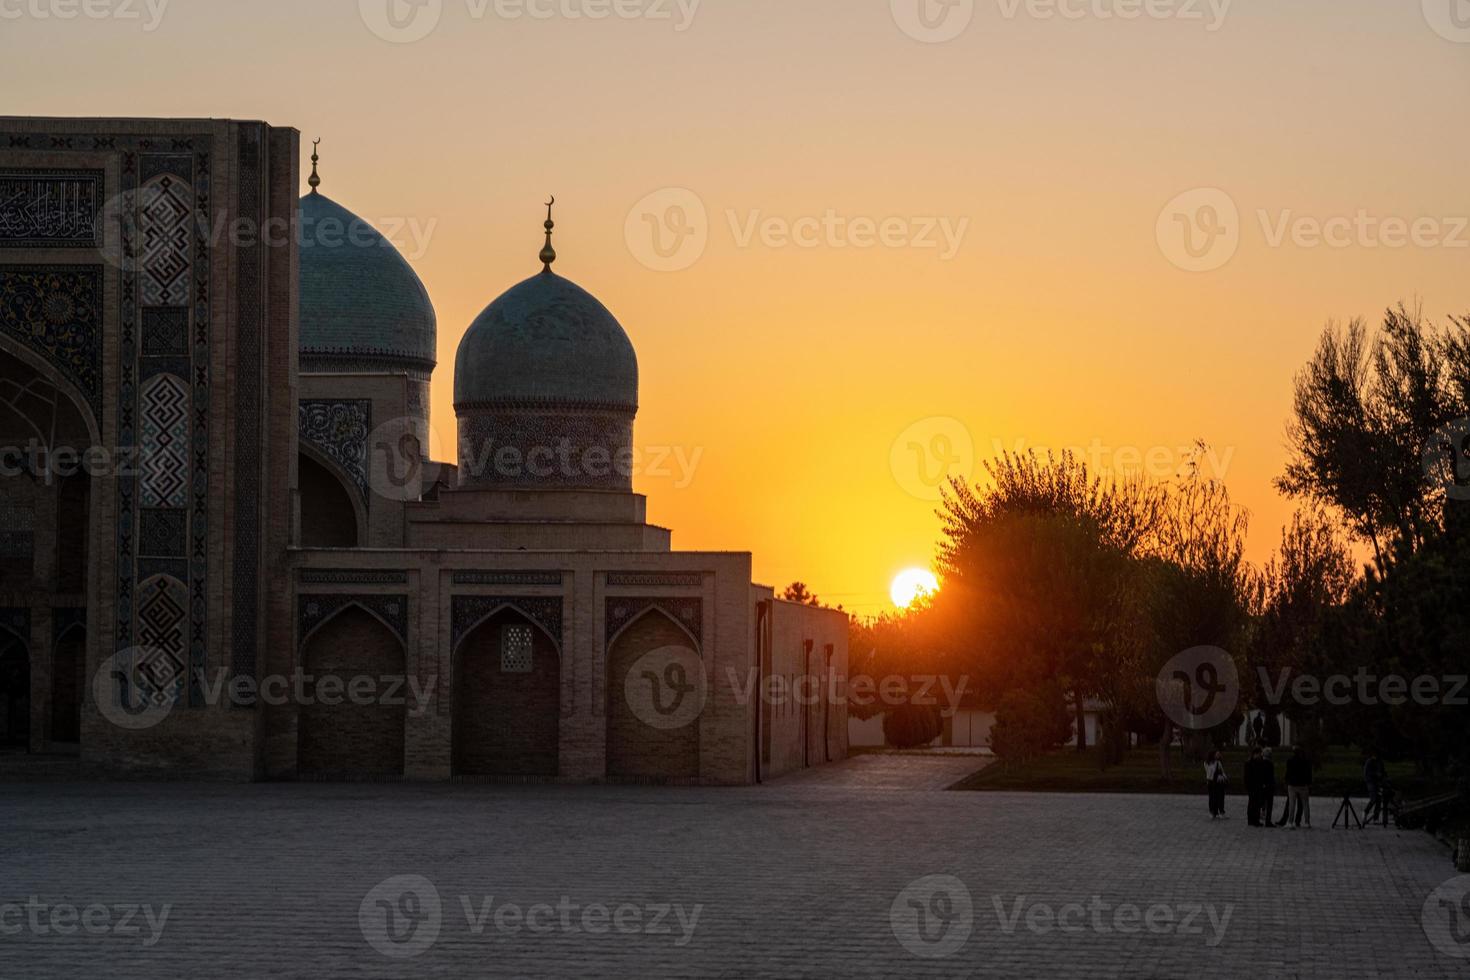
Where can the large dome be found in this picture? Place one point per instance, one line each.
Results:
(546, 341)
(362, 305)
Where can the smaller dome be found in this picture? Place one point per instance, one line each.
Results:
(546, 340)
(360, 300)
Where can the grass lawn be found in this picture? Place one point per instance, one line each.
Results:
(1069, 771)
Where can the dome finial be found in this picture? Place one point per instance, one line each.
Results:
(548, 254)
(314, 180)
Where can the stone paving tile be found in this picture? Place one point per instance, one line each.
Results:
(886, 771)
(789, 880)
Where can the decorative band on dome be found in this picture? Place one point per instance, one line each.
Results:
(544, 405)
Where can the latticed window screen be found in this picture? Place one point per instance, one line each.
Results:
(515, 650)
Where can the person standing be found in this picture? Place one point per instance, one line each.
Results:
(1255, 784)
(1215, 783)
(1298, 788)
(1268, 787)
(1373, 776)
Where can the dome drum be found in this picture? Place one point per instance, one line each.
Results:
(545, 447)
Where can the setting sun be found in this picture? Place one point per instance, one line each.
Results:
(910, 584)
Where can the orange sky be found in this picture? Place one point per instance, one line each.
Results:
(789, 358)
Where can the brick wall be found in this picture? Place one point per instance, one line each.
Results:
(348, 738)
(506, 723)
(636, 749)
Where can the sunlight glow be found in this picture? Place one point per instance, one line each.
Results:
(910, 584)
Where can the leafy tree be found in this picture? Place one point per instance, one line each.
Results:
(798, 592)
(1367, 411)
(1042, 563)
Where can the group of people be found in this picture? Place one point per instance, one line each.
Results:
(1260, 788)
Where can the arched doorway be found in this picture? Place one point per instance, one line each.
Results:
(46, 495)
(507, 700)
(68, 667)
(15, 692)
(355, 736)
(328, 517)
(637, 748)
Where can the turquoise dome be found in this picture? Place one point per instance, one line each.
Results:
(362, 305)
(546, 341)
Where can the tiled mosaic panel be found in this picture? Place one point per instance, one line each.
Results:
(566, 450)
(164, 453)
(339, 430)
(56, 311)
(165, 228)
(50, 208)
(163, 533)
(162, 649)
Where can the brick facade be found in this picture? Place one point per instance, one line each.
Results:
(356, 737)
(271, 531)
(507, 717)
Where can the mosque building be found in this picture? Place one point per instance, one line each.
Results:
(259, 572)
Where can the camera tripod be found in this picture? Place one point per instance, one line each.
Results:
(1348, 814)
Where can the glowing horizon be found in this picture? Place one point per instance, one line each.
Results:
(969, 246)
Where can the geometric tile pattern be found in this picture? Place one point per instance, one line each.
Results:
(477, 577)
(49, 208)
(688, 613)
(56, 311)
(251, 154)
(348, 576)
(166, 217)
(166, 331)
(156, 226)
(163, 616)
(163, 533)
(659, 580)
(163, 456)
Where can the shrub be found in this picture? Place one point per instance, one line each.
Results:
(1028, 724)
(910, 725)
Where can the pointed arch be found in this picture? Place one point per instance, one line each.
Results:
(47, 372)
(347, 604)
(655, 608)
(315, 496)
(468, 629)
(343, 735)
(507, 673)
(661, 744)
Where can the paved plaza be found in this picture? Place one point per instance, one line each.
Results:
(802, 877)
